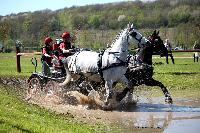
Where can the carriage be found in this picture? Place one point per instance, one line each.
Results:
(40, 84)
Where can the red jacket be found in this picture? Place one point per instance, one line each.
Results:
(47, 50)
(66, 47)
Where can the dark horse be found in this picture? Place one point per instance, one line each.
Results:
(140, 69)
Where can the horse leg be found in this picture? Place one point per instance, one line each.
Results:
(109, 91)
(154, 82)
(121, 95)
(68, 76)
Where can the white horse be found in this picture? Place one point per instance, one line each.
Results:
(109, 66)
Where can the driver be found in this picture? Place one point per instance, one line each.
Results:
(66, 47)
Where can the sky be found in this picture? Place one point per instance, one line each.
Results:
(16, 6)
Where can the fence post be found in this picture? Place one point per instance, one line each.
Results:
(17, 45)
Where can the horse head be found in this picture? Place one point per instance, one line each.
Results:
(158, 45)
(138, 37)
(154, 45)
(120, 44)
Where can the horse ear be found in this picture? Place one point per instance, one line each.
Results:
(128, 25)
(157, 33)
(132, 25)
(154, 33)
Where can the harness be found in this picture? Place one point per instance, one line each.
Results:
(101, 69)
(139, 40)
(99, 62)
(71, 63)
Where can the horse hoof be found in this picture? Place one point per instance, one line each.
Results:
(168, 100)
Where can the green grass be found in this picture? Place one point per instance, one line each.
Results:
(185, 74)
(17, 116)
(8, 64)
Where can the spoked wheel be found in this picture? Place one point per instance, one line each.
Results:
(34, 88)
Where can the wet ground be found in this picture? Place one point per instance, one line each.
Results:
(150, 114)
(183, 116)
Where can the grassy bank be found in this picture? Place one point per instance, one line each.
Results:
(185, 74)
(17, 116)
(8, 65)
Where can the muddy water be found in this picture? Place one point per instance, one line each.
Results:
(151, 114)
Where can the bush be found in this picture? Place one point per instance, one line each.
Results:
(8, 50)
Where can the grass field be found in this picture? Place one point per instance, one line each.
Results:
(185, 74)
(8, 65)
(18, 116)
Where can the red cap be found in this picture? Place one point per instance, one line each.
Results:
(48, 40)
(65, 35)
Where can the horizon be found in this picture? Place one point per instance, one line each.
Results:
(32, 6)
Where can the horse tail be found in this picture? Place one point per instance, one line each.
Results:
(68, 75)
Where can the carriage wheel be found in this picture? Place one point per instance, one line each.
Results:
(34, 88)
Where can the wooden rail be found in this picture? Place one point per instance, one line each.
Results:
(197, 50)
(35, 53)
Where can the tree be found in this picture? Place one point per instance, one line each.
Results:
(179, 15)
(4, 31)
(94, 21)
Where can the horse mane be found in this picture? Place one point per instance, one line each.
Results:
(117, 37)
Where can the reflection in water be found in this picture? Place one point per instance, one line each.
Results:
(146, 121)
(168, 122)
(183, 126)
(155, 116)
(147, 107)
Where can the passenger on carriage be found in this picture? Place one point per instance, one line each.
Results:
(47, 52)
(57, 64)
(66, 47)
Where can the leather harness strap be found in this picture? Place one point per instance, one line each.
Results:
(101, 69)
